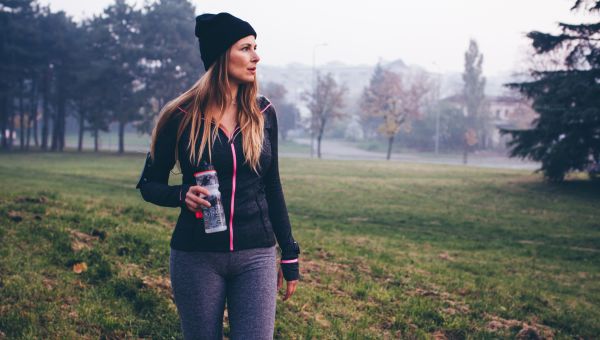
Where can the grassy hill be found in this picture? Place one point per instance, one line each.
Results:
(389, 250)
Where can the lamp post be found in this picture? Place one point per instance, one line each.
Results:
(437, 111)
(314, 86)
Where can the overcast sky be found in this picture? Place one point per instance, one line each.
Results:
(433, 34)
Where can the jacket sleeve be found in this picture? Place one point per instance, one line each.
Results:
(277, 208)
(154, 187)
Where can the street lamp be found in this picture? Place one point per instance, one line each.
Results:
(314, 86)
(437, 111)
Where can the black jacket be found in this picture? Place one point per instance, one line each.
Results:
(254, 205)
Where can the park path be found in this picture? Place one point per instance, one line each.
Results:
(335, 149)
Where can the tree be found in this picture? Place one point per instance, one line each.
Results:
(61, 59)
(325, 103)
(275, 92)
(18, 57)
(93, 80)
(398, 103)
(369, 122)
(171, 61)
(474, 95)
(451, 128)
(123, 23)
(288, 114)
(566, 135)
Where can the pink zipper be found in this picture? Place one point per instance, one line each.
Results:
(232, 188)
(232, 198)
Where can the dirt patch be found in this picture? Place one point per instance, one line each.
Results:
(453, 305)
(80, 240)
(439, 335)
(531, 330)
(424, 292)
(161, 284)
(445, 256)
(129, 269)
(591, 250)
(15, 216)
(49, 283)
(38, 199)
(312, 272)
(357, 219)
(529, 242)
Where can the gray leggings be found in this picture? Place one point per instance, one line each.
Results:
(203, 281)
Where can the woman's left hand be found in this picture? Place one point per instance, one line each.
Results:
(291, 285)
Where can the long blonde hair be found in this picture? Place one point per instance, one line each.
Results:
(206, 100)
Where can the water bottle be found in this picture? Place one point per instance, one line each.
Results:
(214, 216)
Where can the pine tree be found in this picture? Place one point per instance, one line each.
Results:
(566, 135)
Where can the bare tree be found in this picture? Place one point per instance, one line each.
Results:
(275, 92)
(397, 103)
(325, 103)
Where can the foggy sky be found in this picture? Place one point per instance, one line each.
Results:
(432, 34)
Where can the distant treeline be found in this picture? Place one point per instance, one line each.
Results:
(118, 67)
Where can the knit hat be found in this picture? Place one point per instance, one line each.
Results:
(217, 32)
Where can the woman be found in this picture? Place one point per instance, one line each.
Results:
(222, 121)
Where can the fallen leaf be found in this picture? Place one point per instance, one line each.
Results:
(80, 267)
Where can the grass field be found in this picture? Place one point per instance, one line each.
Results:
(390, 250)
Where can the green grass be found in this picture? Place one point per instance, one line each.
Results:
(290, 146)
(389, 250)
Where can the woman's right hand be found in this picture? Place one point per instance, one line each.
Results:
(193, 198)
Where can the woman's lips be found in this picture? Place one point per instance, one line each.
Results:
(252, 70)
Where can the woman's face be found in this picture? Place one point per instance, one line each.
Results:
(243, 60)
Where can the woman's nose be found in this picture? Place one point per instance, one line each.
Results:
(256, 58)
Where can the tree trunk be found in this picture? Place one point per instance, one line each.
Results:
(58, 135)
(319, 146)
(63, 121)
(121, 136)
(95, 139)
(81, 131)
(312, 144)
(32, 112)
(11, 122)
(45, 113)
(390, 143)
(28, 131)
(3, 119)
(21, 117)
(35, 129)
(465, 153)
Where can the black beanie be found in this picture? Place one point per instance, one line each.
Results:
(217, 32)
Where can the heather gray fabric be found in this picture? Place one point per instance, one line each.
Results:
(202, 282)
